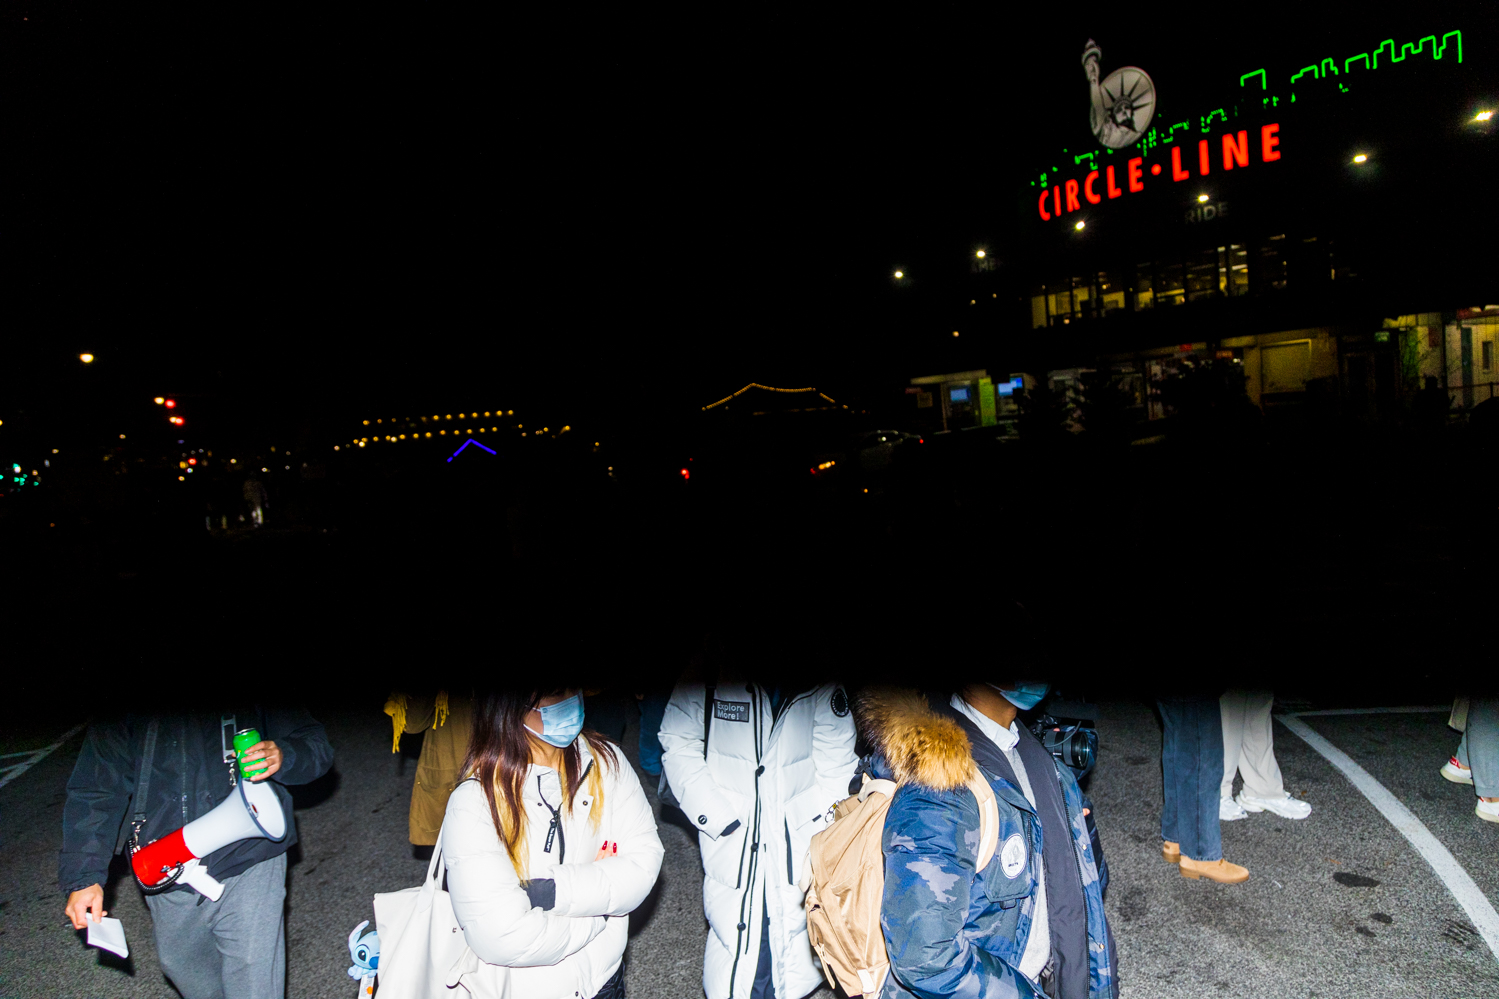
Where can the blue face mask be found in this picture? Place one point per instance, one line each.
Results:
(560, 722)
(1024, 695)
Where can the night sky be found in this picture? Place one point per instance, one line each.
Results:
(306, 214)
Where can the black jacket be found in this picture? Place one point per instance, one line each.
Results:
(188, 779)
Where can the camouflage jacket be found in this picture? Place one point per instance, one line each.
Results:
(952, 930)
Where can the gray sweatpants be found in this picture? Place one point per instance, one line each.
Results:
(234, 948)
(1479, 749)
(1249, 744)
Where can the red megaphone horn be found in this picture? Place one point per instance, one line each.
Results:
(254, 811)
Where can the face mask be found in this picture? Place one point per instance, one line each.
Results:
(1025, 695)
(560, 722)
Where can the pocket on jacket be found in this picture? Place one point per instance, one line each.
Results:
(806, 816)
(725, 858)
(1011, 875)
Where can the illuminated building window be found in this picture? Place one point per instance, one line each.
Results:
(1270, 265)
(1202, 275)
(1038, 307)
(1170, 284)
(1144, 290)
(1233, 270)
(1110, 292)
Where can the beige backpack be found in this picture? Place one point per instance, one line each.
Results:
(845, 883)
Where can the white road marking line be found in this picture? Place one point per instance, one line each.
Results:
(1371, 711)
(1468, 895)
(39, 755)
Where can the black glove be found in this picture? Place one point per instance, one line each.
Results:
(542, 892)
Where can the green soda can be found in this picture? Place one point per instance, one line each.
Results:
(243, 740)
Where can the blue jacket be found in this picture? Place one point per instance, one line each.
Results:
(952, 930)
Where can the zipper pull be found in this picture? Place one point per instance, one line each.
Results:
(551, 835)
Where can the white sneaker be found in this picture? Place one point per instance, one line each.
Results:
(1230, 810)
(1285, 806)
(1456, 772)
(1487, 810)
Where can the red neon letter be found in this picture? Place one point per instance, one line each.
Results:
(1177, 173)
(1136, 175)
(1072, 203)
(1056, 200)
(1236, 153)
(1202, 157)
(1041, 205)
(1114, 191)
(1268, 141)
(1093, 199)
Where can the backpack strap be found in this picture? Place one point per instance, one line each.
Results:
(988, 819)
(873, 786)
(143, 780)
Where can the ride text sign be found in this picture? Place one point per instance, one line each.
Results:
(1233, 151)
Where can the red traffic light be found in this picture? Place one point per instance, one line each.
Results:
(179, 421)
(684, 473)
(171, 404)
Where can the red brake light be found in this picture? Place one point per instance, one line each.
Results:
(685, 474)
(171, 404)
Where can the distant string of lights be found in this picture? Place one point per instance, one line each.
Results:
(413, 424)
(768, 388)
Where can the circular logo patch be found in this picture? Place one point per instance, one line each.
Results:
(839, 702)
(1012, 856)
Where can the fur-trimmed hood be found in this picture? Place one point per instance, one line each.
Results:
(920, 746)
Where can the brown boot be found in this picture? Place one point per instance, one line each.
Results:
(1220, 871)
(1172, 852)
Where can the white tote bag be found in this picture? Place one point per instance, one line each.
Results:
(423, 954)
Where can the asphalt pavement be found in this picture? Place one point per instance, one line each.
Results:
(1337, 905)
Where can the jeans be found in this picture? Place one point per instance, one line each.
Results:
(234, 948)
(1479, 749)
(1191, 770)
(765, 986)
(652, 710)
(614, 988)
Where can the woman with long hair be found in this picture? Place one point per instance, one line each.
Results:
(549, 844)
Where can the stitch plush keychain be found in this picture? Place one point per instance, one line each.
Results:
(365, 951)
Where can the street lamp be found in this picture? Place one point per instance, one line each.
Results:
(1483, 116)
(1079, 227)
(1361, 158)
(980, 254)
(899, 275)
(86, 358)
(1202, 199)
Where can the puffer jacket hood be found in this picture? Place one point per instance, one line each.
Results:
(919, 745)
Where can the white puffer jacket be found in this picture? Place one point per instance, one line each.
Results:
(570, 951)
(775, 774)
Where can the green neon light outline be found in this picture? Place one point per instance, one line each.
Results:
(1443, 47)
(1408, 50)
(1328, 67)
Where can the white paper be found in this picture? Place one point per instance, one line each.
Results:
(109, 934)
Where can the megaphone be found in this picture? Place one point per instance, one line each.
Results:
(254, 812)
